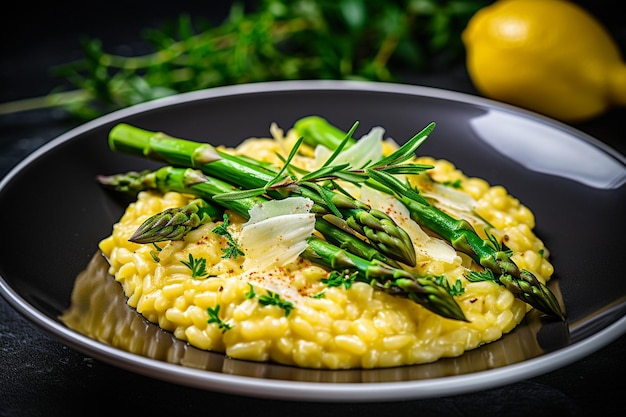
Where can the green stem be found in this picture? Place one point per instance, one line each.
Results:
(46, 102)
(378, 227)
(194, 182)
(461, 235)
(340, 251)
(396, 281)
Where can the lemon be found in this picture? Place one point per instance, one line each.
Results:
(549, 56)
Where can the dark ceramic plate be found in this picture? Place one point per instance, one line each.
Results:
(573, 183)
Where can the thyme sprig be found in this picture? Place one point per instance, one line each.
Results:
(454, 289)
(214, 318)
(374, 40)
(232, 250)
(272, 298)
(486, 275)
(378, 173)
(496, 244)
(196, 265)
(339, 278)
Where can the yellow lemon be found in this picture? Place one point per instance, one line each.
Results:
(549, 56)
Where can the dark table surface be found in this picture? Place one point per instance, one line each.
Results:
(41, 376)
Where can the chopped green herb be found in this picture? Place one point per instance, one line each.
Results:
(454, 184)
(337, 279)
(454, 290)
(250, 294)
(271, 298)
(233, 250)
(214, 318)
(197, 266)
(155, 253)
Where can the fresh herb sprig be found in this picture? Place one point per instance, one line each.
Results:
(232, 250)
(455, 289)
(339, 278)
(197, 266)
(376, 40)
(273, 299)
(214, 318)
(486, 275)
(270, 299)
(378, 173)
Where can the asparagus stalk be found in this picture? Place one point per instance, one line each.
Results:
(190, 181)
(174, 223)
(523, 284)
(182, 180)
(370, 265)
(317, 131)
(379, 228)
(396, 281)
(171, 224)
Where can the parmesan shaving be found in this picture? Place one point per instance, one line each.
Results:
(276, 233)
(274, 237)
(426, 245)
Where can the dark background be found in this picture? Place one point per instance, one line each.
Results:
(40, 376)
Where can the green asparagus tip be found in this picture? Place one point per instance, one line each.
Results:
(129, 182)
(175, 223)
(533, 292)
(429, 294)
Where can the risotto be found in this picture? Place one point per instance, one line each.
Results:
(288, 313)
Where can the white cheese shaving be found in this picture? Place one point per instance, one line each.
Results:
(276, 232)
(450, 197)
(426, 245)
(454, 202)
(275, 236)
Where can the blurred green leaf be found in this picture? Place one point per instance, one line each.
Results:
(274, 40)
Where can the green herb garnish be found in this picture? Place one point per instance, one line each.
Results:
(486, 275)
(155, 253)
(232, 250)
(272, 298)
(272, 40)
(454, 184)
(197, 266)
(214, 318)
(251, 293)
(337, 279)
(454, 290)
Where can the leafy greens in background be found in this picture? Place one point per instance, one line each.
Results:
(272, 40)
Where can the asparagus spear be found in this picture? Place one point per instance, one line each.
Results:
(379, 229)
(171, 224)
(369, 264)
(204, 208)
(523, 284)
(317, 131)
(396, 281)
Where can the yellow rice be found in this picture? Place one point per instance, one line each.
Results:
(355, 327)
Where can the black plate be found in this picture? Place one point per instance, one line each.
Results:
(54, 215)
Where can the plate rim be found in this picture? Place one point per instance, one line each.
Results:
(304, 390)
